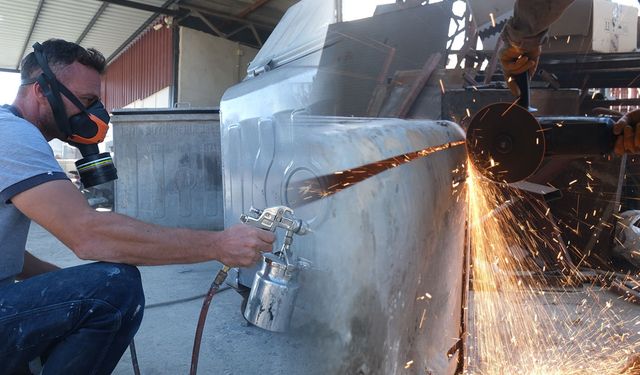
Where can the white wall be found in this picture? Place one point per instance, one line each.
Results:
(160, 99)
(208, 66)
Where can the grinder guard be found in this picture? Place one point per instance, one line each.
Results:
(506, 143)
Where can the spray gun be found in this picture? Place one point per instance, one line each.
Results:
(506, 143)
(275, 287)
(277, 217)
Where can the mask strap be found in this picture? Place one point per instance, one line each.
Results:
(57, 86)
(51, 88)
(74, 99)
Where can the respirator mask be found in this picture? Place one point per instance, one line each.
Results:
(83, 130)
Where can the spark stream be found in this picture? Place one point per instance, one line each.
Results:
(522, 321)
(312, 189)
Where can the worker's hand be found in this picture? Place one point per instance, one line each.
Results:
(243, 245)
(627, 136)
(516, 60)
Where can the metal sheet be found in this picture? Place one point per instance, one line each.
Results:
(386, 285)
(169, 167)
(378, 248)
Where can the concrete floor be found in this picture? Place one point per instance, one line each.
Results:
(165, 339)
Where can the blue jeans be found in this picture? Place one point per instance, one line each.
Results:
(77, 320)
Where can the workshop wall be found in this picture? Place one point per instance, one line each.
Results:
(208, 66)
(142, 70)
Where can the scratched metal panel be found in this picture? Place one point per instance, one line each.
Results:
(376, 247)
(169, 167)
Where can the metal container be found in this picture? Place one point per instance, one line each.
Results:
(169, 166)
(273, 294)
(388, 252)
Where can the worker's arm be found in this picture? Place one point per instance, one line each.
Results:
(106, 236)
(531, 20)
(34, 266)
(524, 33)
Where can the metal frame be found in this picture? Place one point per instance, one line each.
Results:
(209, 24)
(252, 8)
(145, 7)
(202, 14)
(243, 21)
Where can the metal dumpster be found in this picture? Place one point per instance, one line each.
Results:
(168, 162)
(384, 293)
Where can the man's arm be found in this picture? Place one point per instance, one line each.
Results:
(106, 236)
(531, 20)
(34, 266)
(523, 36)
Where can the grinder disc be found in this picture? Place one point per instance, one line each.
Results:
(505, 142)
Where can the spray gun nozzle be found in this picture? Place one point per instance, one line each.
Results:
(301, 228)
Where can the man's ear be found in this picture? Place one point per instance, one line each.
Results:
(38, 92)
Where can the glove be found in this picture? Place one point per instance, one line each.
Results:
(627, 136)
(517, 60)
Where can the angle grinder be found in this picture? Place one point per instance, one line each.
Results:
(506, 143)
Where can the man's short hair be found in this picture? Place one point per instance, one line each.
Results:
(59, 54)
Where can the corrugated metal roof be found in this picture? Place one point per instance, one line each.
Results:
(62, 19)
(110, 25)
(116, 24)
(15, 22)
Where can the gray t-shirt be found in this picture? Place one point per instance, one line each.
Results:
(26, 161)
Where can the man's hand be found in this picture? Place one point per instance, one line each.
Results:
(243, 245)
(516, 60)
(627, 137)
